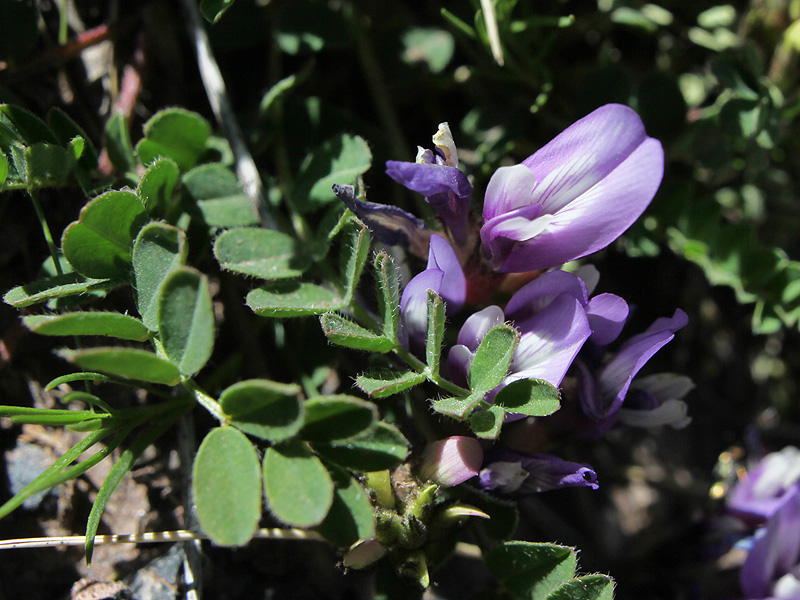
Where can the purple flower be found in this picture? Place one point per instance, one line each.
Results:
(444, 276)
(513, 472)
(574, 196)
(655, 401)
(553, 324)
(771, 570)
(437, 177)
(555, 317)
(761, 493)
(390, 224)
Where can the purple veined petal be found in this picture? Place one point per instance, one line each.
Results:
(775, 553)
(391, 225)
(414, 306)
(665, 386)
(451, 461)
(459, 360)
(672, 412)
(509, 188)
(550, 340)
(535, 296)
(757, 497)
(584, 154)
(544, 472)
(591, 221)
(588, 391)
(478, 325)
(590, 276)
(519, 225)
(445, 188)
(607, 314)
(616, 376)
(454, 285)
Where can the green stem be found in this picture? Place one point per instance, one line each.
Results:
(367, 320)
(46, 230)
(204, 399)
(375, 81)
(421, 367)
(62, 23)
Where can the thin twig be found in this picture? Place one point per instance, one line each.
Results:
(490, 19)
(220, 104)
(180, 535)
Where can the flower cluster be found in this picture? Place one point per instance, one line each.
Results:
(769, 497)
(573, 197)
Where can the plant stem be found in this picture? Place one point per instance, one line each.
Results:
(204, 399)
(367, 320)
(46, 230)
(375, 81)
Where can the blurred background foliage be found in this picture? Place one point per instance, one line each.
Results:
(716, 83)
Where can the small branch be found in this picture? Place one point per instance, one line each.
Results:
(375, 80)
(180, 535)
(490, 18)
(220, 104)
(204, 399)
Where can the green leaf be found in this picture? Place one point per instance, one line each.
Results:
(381, 385)
(262, 253)
(383, 448)
(588, 587)
(532, 397)
(88, 323)
(48, 165)
(24, 127)
(3, 167)
(60, 471)
(65, 130)
(350, 517)
(458, 408)
(186, 319)
(125, 362)
(70, 377)
(332, 418)
(61, 286)
(99, 243)
(388, 294)
(292, 299)
(487, 423)
(530, 570)
(428, 45)
(219, 196)
(433, 341)
(213, 10)
(159, 250)
(118, 143)
(338, 160)
(344, 332)
(157, 186)
(266, 409)
(226, 482)
(174, 133)
(41, 416)
(121, 466)
(298, 487)
(492, 358)
(355, 252)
